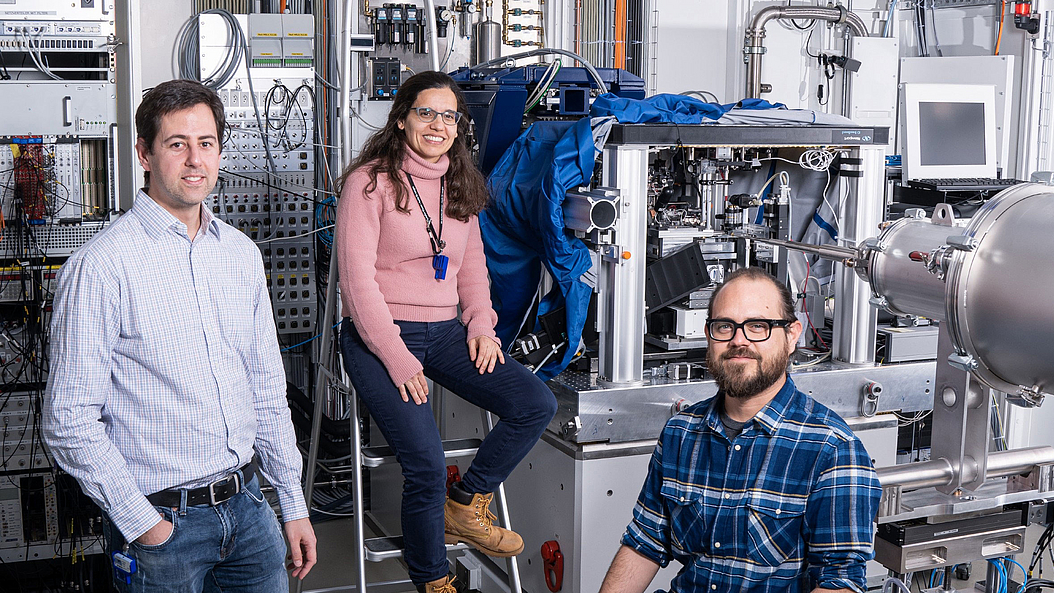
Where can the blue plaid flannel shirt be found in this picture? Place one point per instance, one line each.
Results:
(788, 505)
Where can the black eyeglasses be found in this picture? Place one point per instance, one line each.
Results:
(755, 330)
(429, 115)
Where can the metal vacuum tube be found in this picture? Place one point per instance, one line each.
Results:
(987, 282)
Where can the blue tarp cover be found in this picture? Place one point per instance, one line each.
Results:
(523, 227)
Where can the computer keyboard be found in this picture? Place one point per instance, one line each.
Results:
(964, 184)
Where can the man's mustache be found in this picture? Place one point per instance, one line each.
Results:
(743, 352)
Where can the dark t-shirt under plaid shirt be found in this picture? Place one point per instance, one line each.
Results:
(788, 505)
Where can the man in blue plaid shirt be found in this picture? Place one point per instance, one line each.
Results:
(761, 488)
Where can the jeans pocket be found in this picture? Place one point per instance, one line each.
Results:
(170, 516)
(252, 490)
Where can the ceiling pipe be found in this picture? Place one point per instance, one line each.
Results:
(754, 45)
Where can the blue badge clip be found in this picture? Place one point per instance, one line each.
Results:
(439, 265)
(124, 567)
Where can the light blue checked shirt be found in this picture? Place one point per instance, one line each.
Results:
(165, 368)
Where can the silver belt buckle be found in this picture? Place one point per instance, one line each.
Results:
(212, 488)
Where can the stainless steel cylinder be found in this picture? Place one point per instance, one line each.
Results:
(488, 40)
(938, 472)
(996, 287)
(924, 474)
(999, 287)
(908, 287)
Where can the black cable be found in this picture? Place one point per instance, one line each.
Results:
(794, 22)
(920, 30)
(4, 74)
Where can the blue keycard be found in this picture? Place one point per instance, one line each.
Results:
(124, 567)
(439, 265)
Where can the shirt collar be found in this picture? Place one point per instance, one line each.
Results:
(156, 220)
(768, 418)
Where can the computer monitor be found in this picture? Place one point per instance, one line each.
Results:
(948, 131)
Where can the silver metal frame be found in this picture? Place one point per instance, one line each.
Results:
(620, 304)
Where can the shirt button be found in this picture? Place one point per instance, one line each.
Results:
(713, 587)
(777, 511)
(717, 544)
(737, 447)
(727, 496)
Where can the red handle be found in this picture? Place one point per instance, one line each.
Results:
(553, 565)
(452, 475)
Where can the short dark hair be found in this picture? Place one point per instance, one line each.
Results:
(753, 273)
(176, 95)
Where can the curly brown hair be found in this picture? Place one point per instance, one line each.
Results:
(385, 149)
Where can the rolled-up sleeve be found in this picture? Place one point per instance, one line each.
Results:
(648, 532)
(841, 514)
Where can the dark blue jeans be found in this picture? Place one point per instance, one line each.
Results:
(234, 546)
(521, 401)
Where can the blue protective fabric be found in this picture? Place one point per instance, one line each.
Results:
(524, 224)
(670, 109)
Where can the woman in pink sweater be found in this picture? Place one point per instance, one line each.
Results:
(410, 254)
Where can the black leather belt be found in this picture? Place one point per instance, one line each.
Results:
(215, 493)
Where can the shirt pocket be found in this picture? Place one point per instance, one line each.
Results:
(774, 528)
(236, 311)
(687, 519)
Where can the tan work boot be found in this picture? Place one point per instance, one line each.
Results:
(473, 524)
(443, 585)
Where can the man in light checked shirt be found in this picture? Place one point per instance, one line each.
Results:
(166, 379)
(759, 489)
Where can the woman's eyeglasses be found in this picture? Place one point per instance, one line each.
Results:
(429, 115)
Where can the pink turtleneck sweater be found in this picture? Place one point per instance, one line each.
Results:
(385, 261)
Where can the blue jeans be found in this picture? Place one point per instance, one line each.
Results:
(521, 401)
(234, 546)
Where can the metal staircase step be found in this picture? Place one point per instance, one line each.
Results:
(377, 456)
(383, 548)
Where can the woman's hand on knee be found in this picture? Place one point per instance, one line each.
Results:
(485, 352)
(416, 388)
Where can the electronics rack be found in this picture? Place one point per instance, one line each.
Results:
(267, 172)
(57, 190)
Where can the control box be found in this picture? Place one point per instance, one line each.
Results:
(385, 78)
(28, 512)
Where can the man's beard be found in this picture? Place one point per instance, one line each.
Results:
(744, 381)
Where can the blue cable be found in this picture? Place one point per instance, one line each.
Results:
(307, 340)
(889, 19)
(1002, 573)
(1024, 574)
(325, 216)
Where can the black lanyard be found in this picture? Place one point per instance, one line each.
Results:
(435, 238)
